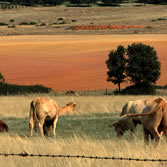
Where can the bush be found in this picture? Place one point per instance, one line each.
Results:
(139, 89)
(32, 23)
(3, 24)
(11, 20)
(24, 23)
(42, 24)
(11, 89)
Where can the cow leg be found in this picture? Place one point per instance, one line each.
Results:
(156, 135)
(54, 125)
(36, 126)
(146, 137)
(47, 127)
(40, 125)
(31, 129)
(31, 125)
(133, 127)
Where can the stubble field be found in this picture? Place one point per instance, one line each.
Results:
(73, 62)
(87, 132)
(63, 20)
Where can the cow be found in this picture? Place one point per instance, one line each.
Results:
(44, 113)
(3, 126)
(153, 119)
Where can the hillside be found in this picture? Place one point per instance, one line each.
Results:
(126, 19)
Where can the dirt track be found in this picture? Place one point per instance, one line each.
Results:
(70, 62)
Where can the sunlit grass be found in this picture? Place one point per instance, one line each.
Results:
(86, 132)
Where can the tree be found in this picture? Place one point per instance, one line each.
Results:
(116, 65)
(2, 79)
(82, 1)
(142, 64)
(112, 1)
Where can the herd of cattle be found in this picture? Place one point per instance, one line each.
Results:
(150, 113)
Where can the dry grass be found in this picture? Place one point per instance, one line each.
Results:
(77, 146)
(153, 16)
(18, 107)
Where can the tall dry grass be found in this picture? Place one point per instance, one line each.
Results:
(18, 107)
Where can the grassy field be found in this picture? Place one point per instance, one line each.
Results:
(86, 132)
(62, 20)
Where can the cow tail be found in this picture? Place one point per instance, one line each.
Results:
(33, 116)
(160, 103)
(32, 110)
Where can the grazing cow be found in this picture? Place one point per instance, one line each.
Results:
(44, 113)
(136, 106)
(153, 119)
(3, 126)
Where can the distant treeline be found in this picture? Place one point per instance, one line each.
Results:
(153, 1)
(78, 2)
(11, 89)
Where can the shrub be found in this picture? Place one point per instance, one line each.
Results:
(11, 89)
(11, 20)
(42, 24)
(32, 23)
(139, 89)
(60, 18)
(24, 23)
(3, 24)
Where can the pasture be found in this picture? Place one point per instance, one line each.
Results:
(87, 132)
(86, 20)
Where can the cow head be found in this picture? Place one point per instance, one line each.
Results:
(120, 127)
(71, 106)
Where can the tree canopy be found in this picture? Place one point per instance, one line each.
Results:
(138, 63)
(142, 63)
(116, 66)
(2, 79)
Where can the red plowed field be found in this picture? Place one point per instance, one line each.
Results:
(68, 62)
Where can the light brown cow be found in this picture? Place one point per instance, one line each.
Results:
(153, 119)
(46, 110)
(136, 106)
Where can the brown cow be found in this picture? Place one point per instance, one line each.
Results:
(153, 119)
(3, 126)
(45, 111)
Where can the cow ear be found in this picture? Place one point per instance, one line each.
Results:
(74, 104)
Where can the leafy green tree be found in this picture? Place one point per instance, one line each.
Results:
(153, 1)
(116, 65)
(143, 65)
(112, 1)
(2, 79)
(82, 1)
